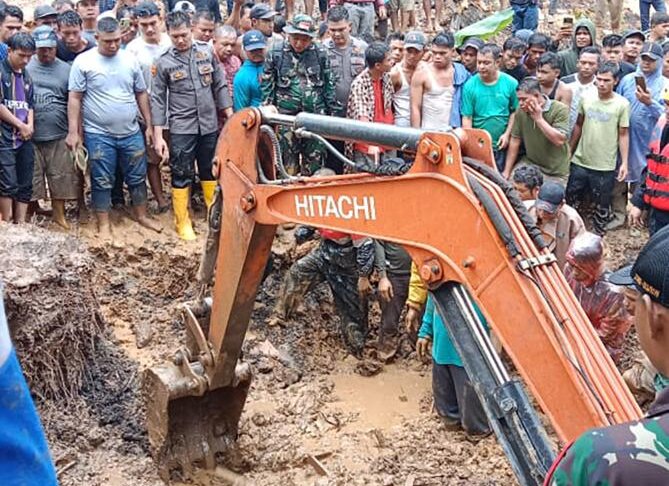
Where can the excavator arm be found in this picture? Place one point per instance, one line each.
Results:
(473, 243)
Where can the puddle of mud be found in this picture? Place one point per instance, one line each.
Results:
(382, 401)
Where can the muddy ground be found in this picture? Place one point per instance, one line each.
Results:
(308, 399)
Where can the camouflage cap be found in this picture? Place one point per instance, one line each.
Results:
(301, 24)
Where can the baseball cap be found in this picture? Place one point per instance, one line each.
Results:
(652, 50)
(550, 197)
(146, 9)
(622, 277)
(301, 24)
(254, 39)
(42, 11)
(262, 11)
(45, 36)
(415, 39)
(473, 42)
(633, 33)
(524, 34)
(184, 6)
(650, 272)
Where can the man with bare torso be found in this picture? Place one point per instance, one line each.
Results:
(402, 74)
(436, 90)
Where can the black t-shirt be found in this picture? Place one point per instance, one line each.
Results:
(65, 54)
(519, 72)
(625, 69)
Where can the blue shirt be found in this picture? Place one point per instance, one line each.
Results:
(246, 86)
(642, 118)
(24, 455)
(4, 50)
(443, 349)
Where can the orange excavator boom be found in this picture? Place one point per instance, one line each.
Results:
(473, 243)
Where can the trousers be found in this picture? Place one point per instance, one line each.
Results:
(337, 266)
(599, 184)
(361, 15)
(185, 151)
(456, 399)
(107, 154)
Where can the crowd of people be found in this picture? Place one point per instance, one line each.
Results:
(101, 95)
(107, 93)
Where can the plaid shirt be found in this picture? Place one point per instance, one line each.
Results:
(230, 66)
(361, 99)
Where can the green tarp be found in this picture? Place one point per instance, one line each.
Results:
(485, 28)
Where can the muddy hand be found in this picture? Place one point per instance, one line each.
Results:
(364, 287)
(636, 217)
(73, 140)
(411, 320)
(385, 289)
(422, 348)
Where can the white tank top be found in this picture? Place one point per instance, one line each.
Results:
(437, 105)
(402, 102)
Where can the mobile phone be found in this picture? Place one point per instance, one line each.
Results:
(568, 21)
(124, 23)
(640, 82)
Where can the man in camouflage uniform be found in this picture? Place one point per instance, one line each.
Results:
(345, 261)
(297, 78)
(634, 452)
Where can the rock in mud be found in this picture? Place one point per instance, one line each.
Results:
(368, 368)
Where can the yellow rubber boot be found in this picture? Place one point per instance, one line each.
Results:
(208, 189)
(181, 217)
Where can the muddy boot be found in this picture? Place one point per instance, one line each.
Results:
(450, 424)
(181, 217)
(386, 348)
(354, 339)
(208, 190)
(59, 214)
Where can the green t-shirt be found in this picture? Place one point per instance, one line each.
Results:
(539, 151)
(490, 105)
(598, 147)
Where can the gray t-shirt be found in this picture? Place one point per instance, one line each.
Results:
(109, 85)
(50, 93)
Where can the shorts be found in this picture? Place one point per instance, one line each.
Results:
(53, 161)
(16, 172)
(403, 5)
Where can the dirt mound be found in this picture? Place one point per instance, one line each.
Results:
(51, 308)
(85, 387)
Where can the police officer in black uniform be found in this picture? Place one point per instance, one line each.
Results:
(189, 84)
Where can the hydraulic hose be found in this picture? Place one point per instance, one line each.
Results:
(276, 151)
(501, 225)
(511, 194)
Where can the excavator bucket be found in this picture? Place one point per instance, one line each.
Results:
(188, 425)
(189, 421)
